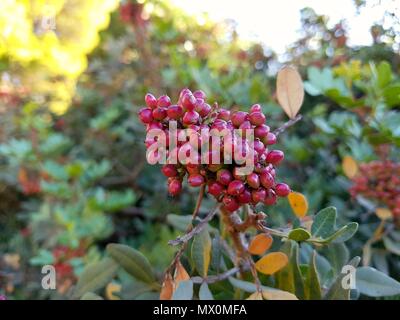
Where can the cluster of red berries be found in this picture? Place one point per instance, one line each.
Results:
(380, 181)
(223, 180)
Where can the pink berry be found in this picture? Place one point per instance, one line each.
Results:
(270, 198)
(205, 110)
(261, 131)
(224, 114)
(146, 115)
(255, 108)
(282, 189)
(188, 101)
(235, 187)
(230, 203)
(175, 112)
(244, 197)
(169, 170)
(159, 113)
(224, 176)
(266, 179)
(258, 195)
(253, 180)
(200, 94)
(269, 139)
(238, 118)
(275, 156)
(259, 146)
(175, 187)
(150, 100)
(164, 101)
(215, 188)
(190, 117)
(196, 180)
(257, 118)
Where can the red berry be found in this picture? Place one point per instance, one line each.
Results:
(150, 100)
(282, 189)
(253, 180)
(175, 187)
(200, 94)
(261, 131)
(235, 187)
(259, 146)
(257, 118)
(275, 156)
(230, 203)
(159, 113)
(196, 180)
(238, 118)
(224, 176)
(175, 112)
(244, 197)
(205, 110)
(169, 170)
(224, 114)
(164, 101)
(146, 115)
(188, 101)
(270, 198)
(258, 195)
(215, 188)
(255, 108)
(267, 180)
(269, 139)
(190, 117)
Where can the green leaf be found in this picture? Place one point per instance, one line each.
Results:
(336, 290)
(344, 233)
(205, 293)
(338, 255)
(179, 222)
(384, 74)
(392, 246)
(91, 296)
(132, 261)
(299, 235)
(324, 223)
(290, 278)
(184, 291)
(374, 283)
(312, 283)
(201, 252)
(95, 276)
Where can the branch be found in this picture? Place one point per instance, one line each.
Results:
(196, 230)
(288, 124)
(216, 278)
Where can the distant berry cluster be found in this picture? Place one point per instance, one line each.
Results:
(380, 181)
(223, 180)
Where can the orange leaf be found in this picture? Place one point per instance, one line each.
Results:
(167, 288)
(383, 213)
(350, 167)
(260, 243)
(111, 289)
(180, 273)
(299, 204)
(289, 90)
(272, 262)
(255, 296)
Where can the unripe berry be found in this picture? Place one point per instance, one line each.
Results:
(238, 118)
(269, 139)
(261, 131)
(282, 189)
(175, 187)
(257, 118)
(224, 114)
(175, 112)
(230, 203)
(164, 101)
(258, 195)
(270, 198)
(150, 100)
(244, 197)
(224, 176)
(196, 180)
(146, 115)
(159, 113)
(215, 188)
(266, 179)
(255, 108)
(169, 170)
(253, 180)
(190, 117)
(200, 94)
(275, 156)
(235, 187)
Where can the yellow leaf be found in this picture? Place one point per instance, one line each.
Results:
(278, 295)
(383, 213)
(180, 274)
(350, 167)
(289, 90)
(272, 262)
(167, 288)
(299, 204)
(260, 243)
(111, 289)
(255, 296)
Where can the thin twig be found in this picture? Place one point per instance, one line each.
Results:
(288, 124)
(198, 202)
(196, 230)
(216, 278)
